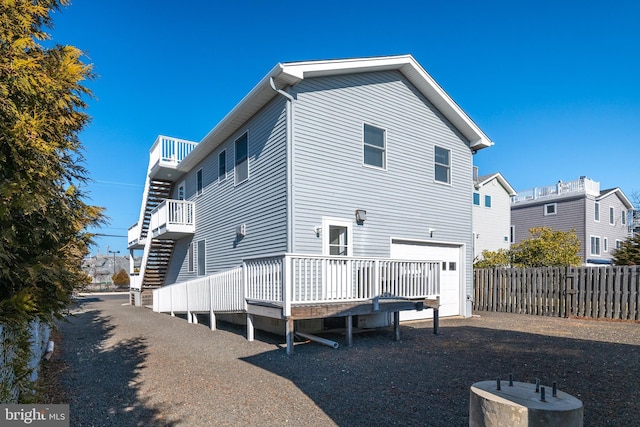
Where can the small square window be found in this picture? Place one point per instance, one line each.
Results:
(452, 266)
(476, 199)
(487, 201)
(550, 209)
(375, 146)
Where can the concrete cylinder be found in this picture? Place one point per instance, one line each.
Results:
(520, 405)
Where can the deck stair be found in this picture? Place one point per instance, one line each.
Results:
(157, 192)
(155, 269)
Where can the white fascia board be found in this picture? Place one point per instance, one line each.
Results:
(510, 190)
(621, 196)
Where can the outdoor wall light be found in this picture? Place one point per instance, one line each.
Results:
(431, 231)
(317, 230)
(361, 215)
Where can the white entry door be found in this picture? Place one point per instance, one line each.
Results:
(336, 240)
(450, 258)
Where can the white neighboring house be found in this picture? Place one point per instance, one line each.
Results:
(491, 213)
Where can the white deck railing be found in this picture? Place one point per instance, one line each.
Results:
(173, 216)
(290, 279)
(169, 151)
(582, 185)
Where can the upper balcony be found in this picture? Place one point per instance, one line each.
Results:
(582, 185)
(165, 156)
(134, 240)
(173, 219)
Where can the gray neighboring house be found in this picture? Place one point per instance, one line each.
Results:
(364, 157)
(600, 217)
(491, 213)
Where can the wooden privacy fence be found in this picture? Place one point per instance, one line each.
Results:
(596, 292)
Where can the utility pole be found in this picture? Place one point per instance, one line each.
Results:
(114, 261)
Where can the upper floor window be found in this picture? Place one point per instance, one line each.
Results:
(596, 211)
(512, 234)
(442, 165)
(222, 165)
(375, 146)
(487, 201)
(242, 159)
(199, 183)
(476, 199)
(612, 216)
(623, 217)
(550, 209)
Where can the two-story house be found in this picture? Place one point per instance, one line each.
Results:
(340, 181)
(491, 213)
(599, 217)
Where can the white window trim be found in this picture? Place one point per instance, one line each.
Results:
(197, 263)
(591, 245)
(449, 166)
(200, 189)
(555, 209)
(618, 244)
(612, 215)
(598, 211)
(473, 199)
(512, 234)
(222, 178)
(182, 185)
(385, 150)
(191, 258)
(605, 244)
(490, 201)
(235, 181)
(623, 217)
(340, 222)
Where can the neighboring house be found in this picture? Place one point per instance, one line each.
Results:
(599, 217)
(367, 159)
(491, 213)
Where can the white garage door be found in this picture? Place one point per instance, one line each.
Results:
(450, 274)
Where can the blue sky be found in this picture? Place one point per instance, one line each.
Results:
(556, 85)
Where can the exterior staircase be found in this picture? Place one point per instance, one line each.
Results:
(159, 255)
(157, 192)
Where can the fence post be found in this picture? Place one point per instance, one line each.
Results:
(286, 282)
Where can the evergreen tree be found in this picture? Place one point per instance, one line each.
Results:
(43, 215)
(547, 248)
(629, 252)
(121, 278)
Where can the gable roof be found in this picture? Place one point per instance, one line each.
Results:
(485, 179)
(621, 196)
(291, 73)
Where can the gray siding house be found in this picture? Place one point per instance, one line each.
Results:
(491, 213)
(366, 159)
(599, 217)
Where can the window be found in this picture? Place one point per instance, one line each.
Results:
(623, 217)
(191, 259)
(512, 234)
(605, 244)
(442, 165)
(596, 212)
(444, 266)
(375, 146)
(242, 159)
(199, 181)
(452, 266)
(487, 201)
(595, 245)
(476, 199)
(550, 209)
(338, 243)
(201, 258)
(222, 166)
(612, 219)
(181, 191)
(618, 244)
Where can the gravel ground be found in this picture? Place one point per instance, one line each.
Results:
(119, 365)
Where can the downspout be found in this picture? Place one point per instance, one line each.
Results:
(289, 148)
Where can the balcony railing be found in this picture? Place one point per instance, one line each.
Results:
(581, 185)
(173, 218)
(168, 151)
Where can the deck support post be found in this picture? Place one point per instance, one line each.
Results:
(396, 325)
(195, 318)
(436, 321)
(349, 325)
(250, 328)
(189, 319)
(289, 334)
(212, 320)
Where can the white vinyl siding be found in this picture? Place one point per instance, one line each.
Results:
(442, 165)
(374, 146)
(242, 159)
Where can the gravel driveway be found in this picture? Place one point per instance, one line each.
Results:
(119, 365)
